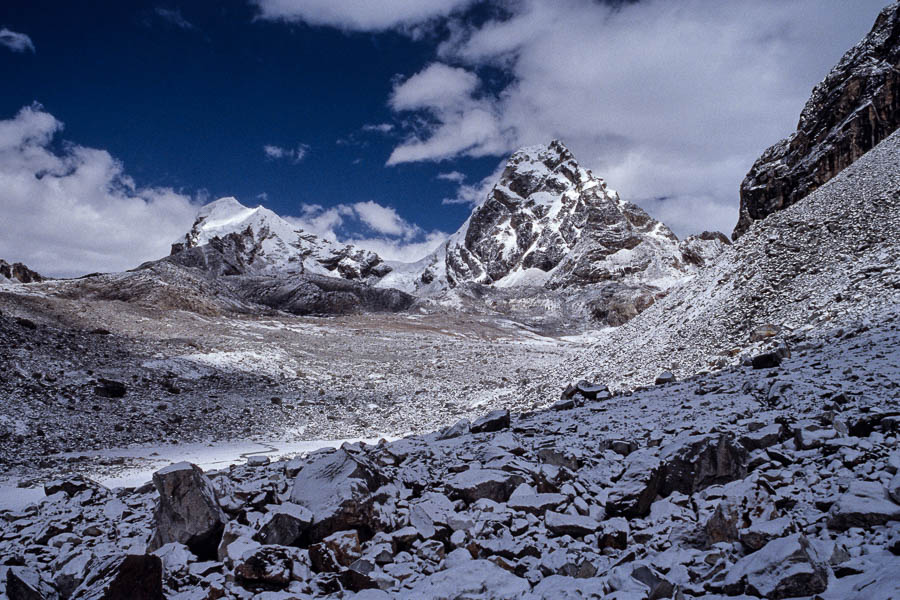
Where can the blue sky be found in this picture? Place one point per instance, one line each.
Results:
(172, 103)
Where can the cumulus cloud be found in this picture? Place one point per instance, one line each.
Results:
(665, 98)
(294, 155)
(384, 231)
(460, 121)
(360, 15)
(15, 41)
(72, 211)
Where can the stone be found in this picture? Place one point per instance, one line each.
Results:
(760, 533)
(763, 332)
(634, 492)
(766, 360)
(721, 527)
(123, 577)
(693, 463)
(270, 565)
(493, 421)
(576, 526)
(763, 438)
(283, 524)
(865, 504)
(664, 378)
(783, 568)
(658, 586)
(431, 511)
(72, 485)
(894, 488)
(476, 483)
(23, 583)
(614, 533)
(336, 488)
(187, 510)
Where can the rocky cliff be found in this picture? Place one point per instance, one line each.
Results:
(18, 272)
(853, 109)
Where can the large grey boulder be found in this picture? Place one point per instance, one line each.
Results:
(783, 568)
(475, 484)
(635, 490)
(283, 524)
(187, 511)
(336, 487)
(693, 463)
(865, 504)
(23, 583)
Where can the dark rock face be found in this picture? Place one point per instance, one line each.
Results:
(493, 421)
(697, 462)
(188, 511)
(852, 110)
(123, 577)
(19, 272)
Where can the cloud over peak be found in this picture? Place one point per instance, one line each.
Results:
(360, 15)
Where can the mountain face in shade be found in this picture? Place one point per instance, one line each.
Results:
(854, 108)
(18, 272)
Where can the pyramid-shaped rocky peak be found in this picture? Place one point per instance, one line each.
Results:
(548, 221)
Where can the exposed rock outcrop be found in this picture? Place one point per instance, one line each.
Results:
(18, 272)
(855, 107)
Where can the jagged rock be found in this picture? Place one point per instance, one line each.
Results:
(432, 511)
(853, 109)
(865, 504)
(574, 525)
(764, 332)
(696, 462)
(271, 565)
(335, 487)
(123, 577)
(894, 488)
(336, 551)
(721, 527)
(525, 499)
(614, 533)
(657, 584)
(664, 378)
(493, 421)
(761, 533)
(766, 360)
(187, 510)
(27, 584)
(72, 485)
(69, 572)
(475, 484)
(763, 438)
(638, 486)
(784, 568)
(283, 524)
(19, 272)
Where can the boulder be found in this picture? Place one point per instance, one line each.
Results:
(574, 525)
(273, 566)
(766, 360)
(336, 488)
(72, 485)
(693, 463)
(635, 490)
(493, 421)
(894, 488)
(664, 378)
(123, 577)
(283, 524)
(865, 504)
(23, 583)
(477, 483)
(108, 388)
(471, 579)
(783, 568)
(338, 550)
(187, 510)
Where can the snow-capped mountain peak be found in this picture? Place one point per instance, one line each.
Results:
(263, 242)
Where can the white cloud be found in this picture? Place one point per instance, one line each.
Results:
(476, 193)
(360, 15)
(295, 155)
(174, 17)
(664, 98)
(454, 176)
(15, 41)
(384, 230)
(461, 122)
(75, 210)
(378, 128)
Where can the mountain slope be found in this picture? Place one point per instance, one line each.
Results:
(853, 109)
(825, 265)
